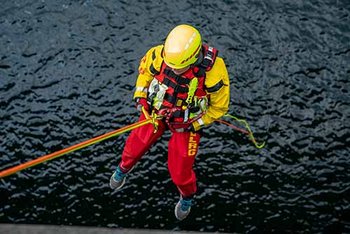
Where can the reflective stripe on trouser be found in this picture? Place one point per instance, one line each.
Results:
(182, 149)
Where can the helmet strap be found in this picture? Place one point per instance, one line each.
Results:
(199, 59)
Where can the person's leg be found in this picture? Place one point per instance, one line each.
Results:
(139, 141)
(137, 144)
(183, 148)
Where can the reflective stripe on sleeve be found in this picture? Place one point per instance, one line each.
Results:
(200, 121)
(141, 89)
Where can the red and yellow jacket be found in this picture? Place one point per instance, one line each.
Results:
(216, 84)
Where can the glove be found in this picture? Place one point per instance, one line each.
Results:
(181, 127)
(191, 128)
(142, 102)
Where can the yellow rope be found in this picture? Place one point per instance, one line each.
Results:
(250, 133)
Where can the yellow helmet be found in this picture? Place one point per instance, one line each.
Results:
(182, 46)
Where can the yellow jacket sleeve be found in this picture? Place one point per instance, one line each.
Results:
(149, 65)
(217, 85)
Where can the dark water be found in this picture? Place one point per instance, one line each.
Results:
(67, 72)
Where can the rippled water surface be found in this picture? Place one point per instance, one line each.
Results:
(67, 73)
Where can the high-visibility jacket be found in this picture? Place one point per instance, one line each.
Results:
(216, 84)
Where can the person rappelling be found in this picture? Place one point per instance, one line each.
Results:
(187, 83)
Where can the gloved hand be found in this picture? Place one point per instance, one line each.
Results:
(181, 127)
(142, 102)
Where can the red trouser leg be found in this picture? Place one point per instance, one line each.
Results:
(183, 147)
(139, 141)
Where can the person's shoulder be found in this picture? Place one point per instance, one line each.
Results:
(156, 50)
(219, 63)
(159, 47)
(217, 74)
(153, 59)
(218, 69)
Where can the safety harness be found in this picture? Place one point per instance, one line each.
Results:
(182, 94)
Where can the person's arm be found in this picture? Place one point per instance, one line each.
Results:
(218, 88)
(149, 65)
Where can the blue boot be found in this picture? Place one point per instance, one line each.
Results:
(117, 179)
(183, 208)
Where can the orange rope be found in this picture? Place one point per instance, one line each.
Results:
(70, 149)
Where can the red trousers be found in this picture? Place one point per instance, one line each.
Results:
(182, 149)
